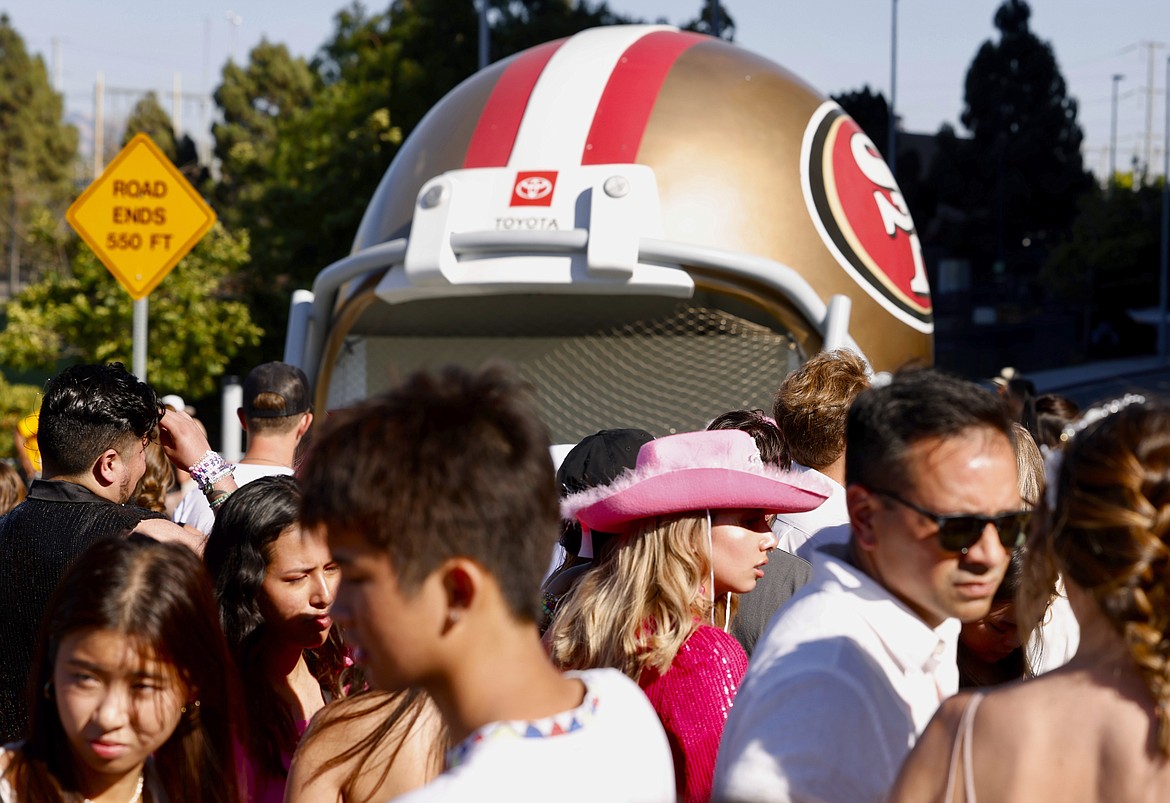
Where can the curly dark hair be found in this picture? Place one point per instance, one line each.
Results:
(238, 551)
(88, 409)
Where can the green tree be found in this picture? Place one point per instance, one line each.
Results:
(869, 110)
(303, 147)
(520, 24)
(713, 20)
(1108, 263)
(1024, 173)
(196, 326)
(148, 117)
(37, 158)
(253, 100)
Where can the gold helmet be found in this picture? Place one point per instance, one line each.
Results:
(655, 225)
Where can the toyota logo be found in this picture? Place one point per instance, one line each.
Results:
(534, 188)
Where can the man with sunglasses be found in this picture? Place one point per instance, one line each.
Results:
(851, 670)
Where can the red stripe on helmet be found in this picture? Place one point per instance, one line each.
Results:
(495, 133)
(629, 96)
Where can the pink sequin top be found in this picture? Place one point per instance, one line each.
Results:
(262, 787)
(692, 699)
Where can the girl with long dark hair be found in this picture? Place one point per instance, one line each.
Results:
(275, 584)
(129, 700)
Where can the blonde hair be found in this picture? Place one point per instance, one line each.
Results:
(151, 491)
(1109, 534)
(642, 602)
(12, 490)
(1029, 465)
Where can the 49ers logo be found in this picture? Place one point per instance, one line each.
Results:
(534, 188)
(862, 217)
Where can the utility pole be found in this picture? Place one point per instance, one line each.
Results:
(892, 131)
(99, 124)
(235, 21)
(1113, 133)
(176, 105)
(1151, 92)
(205, 90)
(1164, 283)
(58, 81)
(484, 44)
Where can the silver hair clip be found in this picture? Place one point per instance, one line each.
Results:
(1054, 457)
(1095, 414)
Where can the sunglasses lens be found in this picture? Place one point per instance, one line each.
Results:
(1013, 529)
(959, 532)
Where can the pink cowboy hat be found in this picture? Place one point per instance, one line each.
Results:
(713, 470)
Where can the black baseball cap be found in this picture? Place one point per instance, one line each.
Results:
(599, 458)
(275, 390)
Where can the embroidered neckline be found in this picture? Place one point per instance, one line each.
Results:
(546, 728)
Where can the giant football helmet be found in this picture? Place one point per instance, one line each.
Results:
(654, 225)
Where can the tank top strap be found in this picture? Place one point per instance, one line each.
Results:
(963, 742)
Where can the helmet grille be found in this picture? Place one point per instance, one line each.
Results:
(669, 371)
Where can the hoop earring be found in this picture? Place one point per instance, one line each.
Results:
(194, 708)
(48, 690)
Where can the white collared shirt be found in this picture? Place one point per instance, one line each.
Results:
(839, 687)
(803, 533)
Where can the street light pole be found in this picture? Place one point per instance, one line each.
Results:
(1113, 133)
(235, 21)
(1165, 272)
(483, 34)
(892, 131)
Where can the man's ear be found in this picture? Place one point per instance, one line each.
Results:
(105, 468)
(862, 503)
(243, 421)
(462, 584)
(303, 427)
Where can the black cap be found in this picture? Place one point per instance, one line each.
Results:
(598, 459)
(275, 390)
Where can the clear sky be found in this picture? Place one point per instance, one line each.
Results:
(836, 45)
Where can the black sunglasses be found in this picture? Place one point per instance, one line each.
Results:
(959, 532)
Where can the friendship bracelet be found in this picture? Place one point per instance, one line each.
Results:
(216, 498)
(210, 469)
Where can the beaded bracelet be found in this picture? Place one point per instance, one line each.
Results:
(216, 498)
(210, 469)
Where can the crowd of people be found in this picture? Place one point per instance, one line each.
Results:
(905, 588)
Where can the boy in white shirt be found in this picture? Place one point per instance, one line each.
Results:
(439, 502)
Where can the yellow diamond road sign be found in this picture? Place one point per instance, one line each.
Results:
(140, 216)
